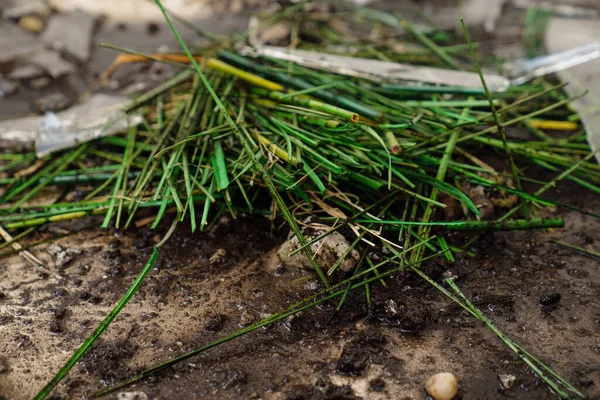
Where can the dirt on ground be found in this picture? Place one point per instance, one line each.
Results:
(210, 284)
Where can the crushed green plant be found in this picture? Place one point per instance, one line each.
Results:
(233, 134)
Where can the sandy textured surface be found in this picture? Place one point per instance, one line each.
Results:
(388, 352)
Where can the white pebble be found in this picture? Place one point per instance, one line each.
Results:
(442, 386)
(132, 396)
(507, 380)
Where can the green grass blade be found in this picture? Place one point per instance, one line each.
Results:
(246, 145)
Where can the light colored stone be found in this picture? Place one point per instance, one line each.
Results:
(507, 380)
(274, 34)
(135, 10)
(25, 7)
(26, 71)
(474, 12)
(326, 251)
(7, 87)
(246, 318)
(442, 386)
(138, 395)
(218, 256)
(39, 83)
(52, 63)
(78, 124)
(71, 33)
(16, 43)
(566, 33)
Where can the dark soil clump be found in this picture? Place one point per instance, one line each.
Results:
(107, 360)
(360, 352)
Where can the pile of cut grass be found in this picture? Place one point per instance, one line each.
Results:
(261, 136)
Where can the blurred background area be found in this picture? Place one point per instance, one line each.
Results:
(50, 55)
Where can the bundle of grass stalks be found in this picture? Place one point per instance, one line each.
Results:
(398, 164)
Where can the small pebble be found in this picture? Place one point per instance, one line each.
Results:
(31, 24)
(7, 88)
(40, 83)
(507, 380)
(132, 396)
(246, 318)
(218, 256)
(442, 386)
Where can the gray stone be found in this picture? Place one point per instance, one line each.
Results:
(132, 396)
(54, 249)
(566, 33)
(17, 9)
(52, 63)
(7, 87)
(71, 33)
(483, 12)
(507, 380)
(15, 43)
(326, 251)
(100, 115)
(52, 102)
(247, 318)
(26, 71)
(66, 256)
(474, 12)
(40, 83)
(563, 8)
(20, 132)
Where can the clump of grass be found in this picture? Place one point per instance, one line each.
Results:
(236, 134)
